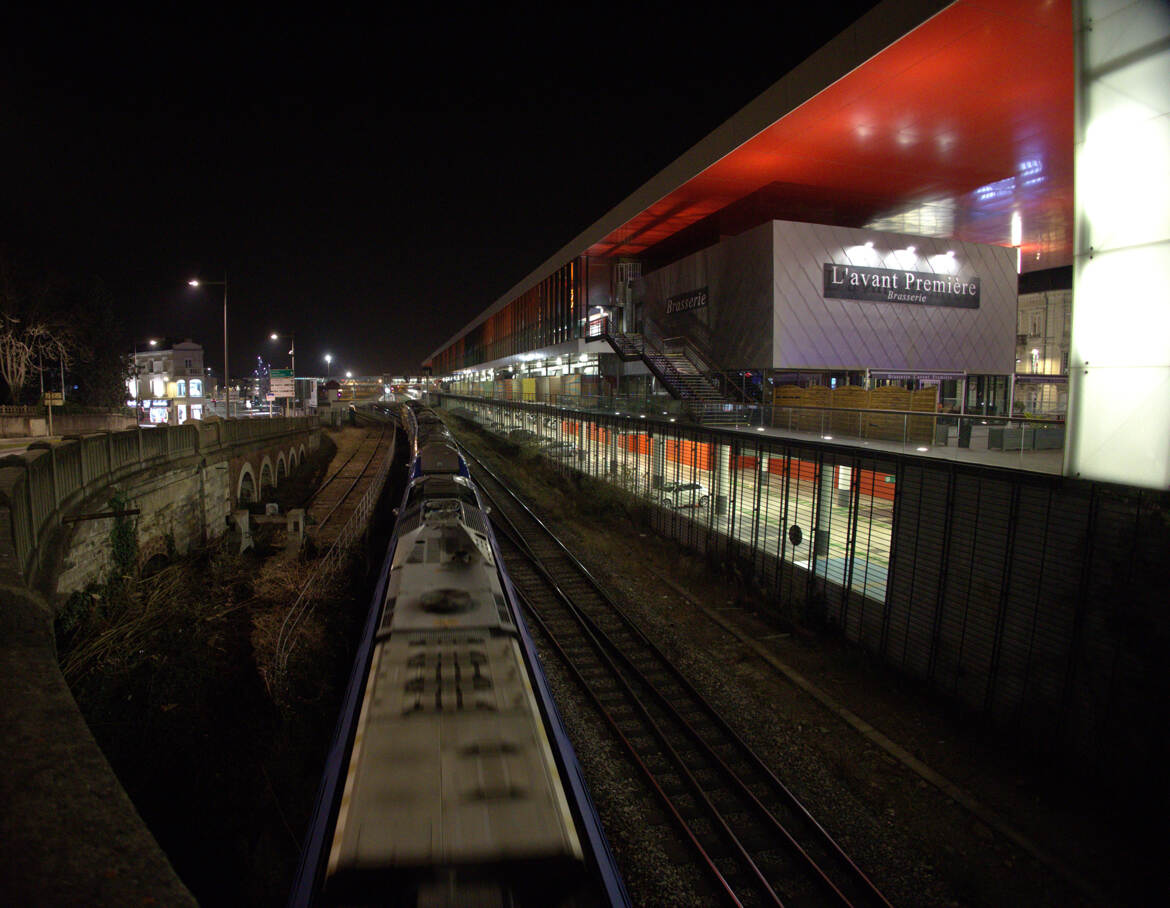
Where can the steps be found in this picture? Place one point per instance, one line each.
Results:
(680, 376)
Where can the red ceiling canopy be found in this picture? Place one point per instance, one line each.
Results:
(950, 131)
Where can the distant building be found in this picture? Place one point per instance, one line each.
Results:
(1043, 332)
(169, 385)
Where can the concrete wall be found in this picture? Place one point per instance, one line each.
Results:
(766, 305)
(184, 480)
(63, 424)
(812, 330)
(52, 773)
(734, 325)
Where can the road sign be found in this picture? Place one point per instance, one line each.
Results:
(53, 398)
(281, 387)
(280, 373)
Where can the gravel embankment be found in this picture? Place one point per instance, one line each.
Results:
(896, 820)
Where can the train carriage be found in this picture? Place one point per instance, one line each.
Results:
(454, 782)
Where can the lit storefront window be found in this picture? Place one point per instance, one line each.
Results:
(196, 411)
(158, 415)
(195, 390)
(182, 408)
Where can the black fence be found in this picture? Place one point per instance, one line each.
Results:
(1037, 603)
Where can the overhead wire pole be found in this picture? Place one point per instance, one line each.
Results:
(195, 282)
(227, 408)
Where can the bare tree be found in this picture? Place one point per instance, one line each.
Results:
(27, 348)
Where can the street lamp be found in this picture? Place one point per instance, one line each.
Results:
(292, 352)
(292, 348)
(328, 364)
(137, 382)
(227, 406)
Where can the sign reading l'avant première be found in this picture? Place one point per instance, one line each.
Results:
(695, 299)
(883, 285)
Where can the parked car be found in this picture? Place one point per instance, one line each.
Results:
(563, 449)
(684, 494)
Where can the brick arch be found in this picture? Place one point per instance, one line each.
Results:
(267, 476)
(281, 469)
(246, 487)
(301, 454)
(292, 460)
(150, 550)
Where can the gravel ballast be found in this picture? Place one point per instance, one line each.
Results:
(933, 810)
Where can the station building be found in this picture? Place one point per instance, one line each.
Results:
(942, 127)
(886, 228)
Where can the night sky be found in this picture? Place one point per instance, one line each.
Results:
(370, 183)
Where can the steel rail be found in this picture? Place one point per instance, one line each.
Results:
(862, 890)
(321, 488)
(631, 750)
(345, 495)
(708, 860)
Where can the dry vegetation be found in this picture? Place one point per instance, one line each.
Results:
(176, 676)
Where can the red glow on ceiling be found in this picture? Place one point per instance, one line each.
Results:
(950, 130)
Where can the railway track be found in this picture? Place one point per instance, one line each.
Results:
(332, 498)
(755, 841)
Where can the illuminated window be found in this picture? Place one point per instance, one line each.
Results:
(195, 389)
(158, 387)
(181, 388)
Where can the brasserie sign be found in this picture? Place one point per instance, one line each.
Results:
(884, 285)
(695, 299)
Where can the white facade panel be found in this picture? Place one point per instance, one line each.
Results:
(719, 298)
(907, 330)
(1119, 372)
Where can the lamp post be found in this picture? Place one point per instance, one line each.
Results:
(137, 382)
(328, 364)
(292, 348)
(292, 352)
(227, 388)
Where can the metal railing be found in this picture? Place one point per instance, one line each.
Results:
(997, 589)
(1022, 442)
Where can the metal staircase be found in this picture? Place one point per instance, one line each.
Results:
(683, 372)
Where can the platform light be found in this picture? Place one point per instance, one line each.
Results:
(922, 449)
(827, 437)
(911, 249)
(1017, 229)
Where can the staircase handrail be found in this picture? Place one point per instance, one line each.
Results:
(722, 381)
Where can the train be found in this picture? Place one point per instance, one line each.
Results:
(451, 780)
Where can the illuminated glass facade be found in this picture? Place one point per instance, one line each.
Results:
(550, 313)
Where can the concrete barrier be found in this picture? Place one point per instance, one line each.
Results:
(70, 834)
